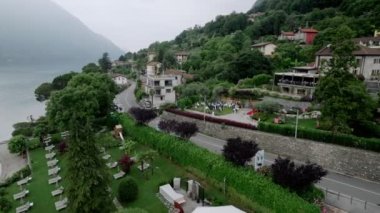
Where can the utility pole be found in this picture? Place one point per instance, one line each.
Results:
(295, 135)
(204, 110)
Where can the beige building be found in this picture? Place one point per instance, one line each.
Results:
(153, 68)
(161, 89)
(151, 56)
(265, 48)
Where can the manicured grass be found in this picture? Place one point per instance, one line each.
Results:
(40, 191)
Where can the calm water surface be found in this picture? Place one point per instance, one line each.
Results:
(17, 100)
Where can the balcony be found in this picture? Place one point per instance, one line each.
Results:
(285, 82)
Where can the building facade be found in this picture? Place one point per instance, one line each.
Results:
(120, 79)
(304, 35)
(266, 48)
(153, 68)
(300, 81)
(182, 57)
(161, 89)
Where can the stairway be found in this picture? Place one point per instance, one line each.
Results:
(373, 86)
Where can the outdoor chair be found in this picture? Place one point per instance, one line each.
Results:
(24, 208)
(61, 204)
(119, 175)
(21, 194)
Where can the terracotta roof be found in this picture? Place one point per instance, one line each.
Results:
(153, 63)
(309, 30)
(261, 44)
(179, 72)
(287, 33)
(326, 51)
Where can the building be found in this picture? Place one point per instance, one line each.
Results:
(287, 36)
(371, 42)
(300, 81)
(151, 56)
(119, 79)
(266, 48)
(183, 76)
(304, 35)
(161, 88)
(153, 68)
(367, 59)
(377, 33)
(254, 16)
(181, 57)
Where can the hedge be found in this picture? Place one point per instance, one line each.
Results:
(372, 144)
(257, 188)
(212, 119)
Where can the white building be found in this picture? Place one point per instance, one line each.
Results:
(265, 48)
(151, 56)
(161, 89)
(153, 68)
(119, 79)
(367, 59)
(181, 57)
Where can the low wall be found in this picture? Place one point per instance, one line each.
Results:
(346, 160)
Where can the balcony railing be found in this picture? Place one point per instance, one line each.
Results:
(297, 83)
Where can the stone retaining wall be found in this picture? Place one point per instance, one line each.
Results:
(346, 160)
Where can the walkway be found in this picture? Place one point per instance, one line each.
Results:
(9, 163)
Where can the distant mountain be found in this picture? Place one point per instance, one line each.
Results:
(41, 32)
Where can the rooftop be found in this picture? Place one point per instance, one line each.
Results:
(287, 33)
(308, 30)
(153, 63)
(178, 72)
(361, 51)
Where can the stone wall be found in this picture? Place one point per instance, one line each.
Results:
(346, 160)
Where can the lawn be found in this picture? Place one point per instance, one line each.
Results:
(40, 191)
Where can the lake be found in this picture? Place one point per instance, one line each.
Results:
(17, 100)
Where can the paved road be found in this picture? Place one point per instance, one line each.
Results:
(126, 99)
(351, 186)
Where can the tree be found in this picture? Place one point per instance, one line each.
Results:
(61, 81)
(122, 58)
(147, 157)
(18, 144)
(298, 178)
(344, 99)
(142, 115)
(74, 109)
(185, 129)
(43, 91)
(239, 151)
(105, 63)
(91, 68)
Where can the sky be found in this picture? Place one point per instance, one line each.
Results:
(134, 24)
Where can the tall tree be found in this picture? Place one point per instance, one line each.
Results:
(105, 63)
(74, 109)
(239, 151)
(343, 97)
(91, 68)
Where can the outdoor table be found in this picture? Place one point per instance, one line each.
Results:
(24, 207)
(49, 148)
(20, 195)
(57, 191)
(106, 157)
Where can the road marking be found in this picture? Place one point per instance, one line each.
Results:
(352, 186)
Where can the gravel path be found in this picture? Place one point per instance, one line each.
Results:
(9, 163)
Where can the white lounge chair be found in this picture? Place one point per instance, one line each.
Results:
(111, 165)
(50, 155)
(170, 195)
(55, 180)
(24, 208)
(61, 204)
(119, 175)
(57, 191)
(24, 181)
(54, 171)
(21, 194)
(106, 157)
(52, 163)
(49, 148)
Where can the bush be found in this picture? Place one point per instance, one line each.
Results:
(268, 106)
(246, 182)
(126, 163)
(186, 129)
(27, 132)
(128, 190)
(18, 144)
(256, 81)
(185, 103)
(239, 152)
(5, 205)
(323, 136)
(142, 115)
(312, 195)
(167, 125)
(297, 178)
(34, 144)
(62, 147)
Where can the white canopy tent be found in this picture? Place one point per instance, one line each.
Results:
(218, 209)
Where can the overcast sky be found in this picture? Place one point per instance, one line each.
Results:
(134, 24)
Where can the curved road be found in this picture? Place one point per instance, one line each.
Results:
(358, 188)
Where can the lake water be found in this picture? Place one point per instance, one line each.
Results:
(17, 100)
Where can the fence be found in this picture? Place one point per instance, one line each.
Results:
(349, 203)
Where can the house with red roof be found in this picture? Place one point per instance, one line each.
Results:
(304, 35)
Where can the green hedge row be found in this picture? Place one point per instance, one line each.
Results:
(246, 182)
(372, 144)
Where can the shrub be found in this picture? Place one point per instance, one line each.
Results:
(18, 144)
(5, 205)
(238, 151)
(312, 194)
(256, 188)
(185, 103)
(142, 115)
(126, 163)
(167, 125)
(186, 129)
(28, 132)
(268, 106)
(298, 178)
(256, 81)
(62, 147)
(128, 190)
(34, 144)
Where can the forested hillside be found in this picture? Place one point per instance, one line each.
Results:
(221, 49)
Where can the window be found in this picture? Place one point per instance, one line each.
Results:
(162, 98)
(376, 60)
(158, 92)
(168, 83)
(168, 90)
(156, 83)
